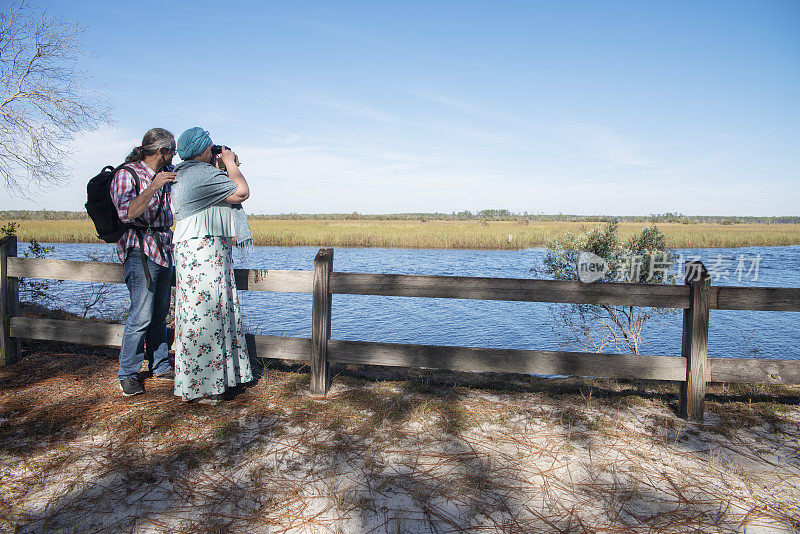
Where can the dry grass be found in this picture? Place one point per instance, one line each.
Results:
(445, 234)
(388, 451)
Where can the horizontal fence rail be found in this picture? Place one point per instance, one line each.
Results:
(508, 360)
(692, 368)
(513, 289)
(437, 357)
(110, 335)
(457, 287)
(101, 272)
(755, 298)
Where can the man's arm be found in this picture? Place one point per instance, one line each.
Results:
(138, 204)
(242, 192)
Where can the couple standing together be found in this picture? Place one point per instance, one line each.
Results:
(210, 350)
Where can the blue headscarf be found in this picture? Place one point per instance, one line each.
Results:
(193, 142)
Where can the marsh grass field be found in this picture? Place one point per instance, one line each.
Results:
(473, 234)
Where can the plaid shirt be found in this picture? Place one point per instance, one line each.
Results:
(123, 190)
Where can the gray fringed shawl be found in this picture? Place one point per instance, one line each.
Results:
(200, 185)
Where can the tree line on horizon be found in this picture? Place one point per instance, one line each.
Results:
(482, 215)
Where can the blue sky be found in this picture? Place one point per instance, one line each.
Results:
(592, 107)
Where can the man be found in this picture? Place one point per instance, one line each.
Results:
(145, 251)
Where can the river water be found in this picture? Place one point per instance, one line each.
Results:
(477, 323)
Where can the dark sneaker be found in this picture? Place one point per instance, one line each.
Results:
(131, 386)
(169, 375)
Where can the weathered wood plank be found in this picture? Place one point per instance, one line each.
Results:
(756, 298)
(515, 289)
(275, 280)
(321, 322)
(9, 302)
(5, 315)
(278, 347)
(508, 360)
(285, 348)
(695, 341)
(722, 298)
(754, 371)
(85, 332)
(80, 271)
(94, 271)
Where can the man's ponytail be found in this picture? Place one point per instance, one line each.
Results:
(153, 140)
(137, 154)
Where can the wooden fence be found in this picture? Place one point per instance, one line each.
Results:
(693, 369)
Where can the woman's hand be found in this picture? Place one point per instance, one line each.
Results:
(228, 157)
(242, 192)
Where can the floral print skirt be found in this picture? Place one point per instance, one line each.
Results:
(210, 348)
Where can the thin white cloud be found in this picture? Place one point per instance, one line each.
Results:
(344, 176)
(341, 31)
(318, 166)
(361, 110)
(426, 126)
(501, 118)
(732, 144)
(608, 145)
(358, 36)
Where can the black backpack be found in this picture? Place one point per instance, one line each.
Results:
(103, 212)
(101, 208)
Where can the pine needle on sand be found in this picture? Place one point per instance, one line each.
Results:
(388, 451)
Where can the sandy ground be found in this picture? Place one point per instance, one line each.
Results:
(388, 451)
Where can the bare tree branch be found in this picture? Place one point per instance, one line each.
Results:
(43, 99)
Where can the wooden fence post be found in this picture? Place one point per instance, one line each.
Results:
(9, 303)
(695, 341)
(321, 322)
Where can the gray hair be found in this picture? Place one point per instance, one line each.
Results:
(154, 140)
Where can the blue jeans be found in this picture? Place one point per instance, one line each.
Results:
(146, 328)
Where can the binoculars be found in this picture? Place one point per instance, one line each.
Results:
(216, 150)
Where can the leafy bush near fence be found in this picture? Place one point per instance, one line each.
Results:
(643, 259)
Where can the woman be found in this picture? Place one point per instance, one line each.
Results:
(210, 349)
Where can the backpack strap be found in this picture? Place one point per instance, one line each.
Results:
(134, 174)
(161, 203)
(138, 229)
